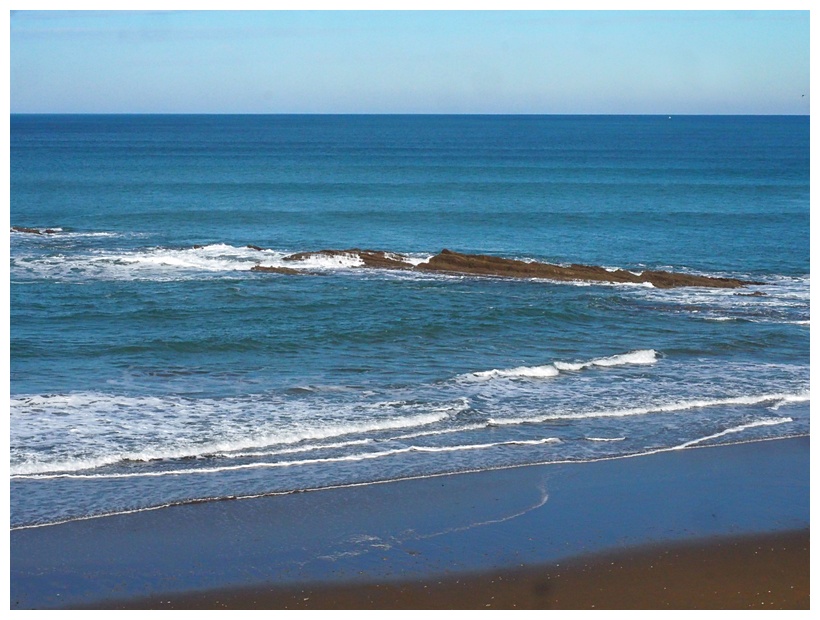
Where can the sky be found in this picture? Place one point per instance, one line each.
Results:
(421, 62)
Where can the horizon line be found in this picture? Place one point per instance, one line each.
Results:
(669, 114)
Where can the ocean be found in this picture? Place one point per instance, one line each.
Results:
(150, 366)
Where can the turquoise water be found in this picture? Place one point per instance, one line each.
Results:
(150, 366)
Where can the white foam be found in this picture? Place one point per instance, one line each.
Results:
(218, 469)
(644, 356)
(308, 448)
(641, 357)
(362, 456)
(159, 263)
(483, 446)
(777, 399)
(443, 431)
(529, 372)
(81, 235)
(151, 263)
(216, 257)
(791, 398)
(108, 427)
(326, 262)
(413, 259)
(614, 269)
(735, 429)
(588, 283)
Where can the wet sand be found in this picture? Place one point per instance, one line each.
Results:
(719, 528)
(767, 571)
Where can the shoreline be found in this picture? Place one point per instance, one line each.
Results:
(353, 485)
(403, 535)
(757, 571)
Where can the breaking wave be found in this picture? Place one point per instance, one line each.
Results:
(641, 357)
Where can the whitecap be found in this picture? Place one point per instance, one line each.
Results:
(528, 372)
(639, 357)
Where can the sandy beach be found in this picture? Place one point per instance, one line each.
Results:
(764, 571)
(723, 527)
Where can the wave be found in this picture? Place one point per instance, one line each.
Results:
(257, 446)
(160, 263)
(300, 449)
(777, 401)
(109, 429)
(169, 264)
(173, 418)
(524, 372)
(361, 456)
(640, 357)
(643, 356)
(791, 398)
(735, 429)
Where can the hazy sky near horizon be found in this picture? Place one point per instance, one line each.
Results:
(517, 62)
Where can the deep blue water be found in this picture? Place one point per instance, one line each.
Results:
(148, 371)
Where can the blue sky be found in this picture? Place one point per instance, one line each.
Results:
(533, 62)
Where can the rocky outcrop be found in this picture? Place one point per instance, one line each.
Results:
(283, 270)
(664, 279)
(480, 265)
(34, 231)
(453, 262)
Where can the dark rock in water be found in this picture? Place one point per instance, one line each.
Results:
(253, 247)
(476, 264)
(664, 279)
(198, 247)
(453, 262)
(33, 231)
(284, 270)
(755, 294)
(370, 258)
